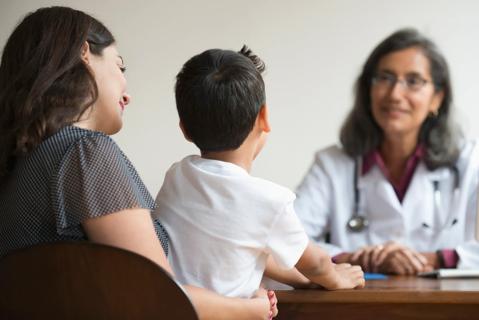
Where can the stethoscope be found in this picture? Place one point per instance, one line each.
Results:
(358, 221)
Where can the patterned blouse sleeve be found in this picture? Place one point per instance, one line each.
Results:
(94, 179)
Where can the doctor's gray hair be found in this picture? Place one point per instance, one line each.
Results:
(361, 134)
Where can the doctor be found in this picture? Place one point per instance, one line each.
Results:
(400, 195)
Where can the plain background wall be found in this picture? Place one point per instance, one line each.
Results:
(313, 51)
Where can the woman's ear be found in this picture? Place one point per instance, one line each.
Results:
(85, 53)
(263, 118)
(436, 102)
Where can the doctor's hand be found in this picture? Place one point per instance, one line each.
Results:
(366, 257)
(395, 258)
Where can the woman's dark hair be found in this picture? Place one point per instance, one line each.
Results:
(361, 134)
(218, 96)
(44, 84)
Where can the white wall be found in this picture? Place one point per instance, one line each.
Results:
(313, 51)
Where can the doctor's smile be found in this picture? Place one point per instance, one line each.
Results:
(394, 112)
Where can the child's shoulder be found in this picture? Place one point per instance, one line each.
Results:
(269, 191)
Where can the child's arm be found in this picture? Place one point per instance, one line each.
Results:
(290, 277)
(316, 265)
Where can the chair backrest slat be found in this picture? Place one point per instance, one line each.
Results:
(82, 280)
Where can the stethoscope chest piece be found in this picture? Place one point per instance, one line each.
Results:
(357, 223)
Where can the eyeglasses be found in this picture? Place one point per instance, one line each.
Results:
(410, 82)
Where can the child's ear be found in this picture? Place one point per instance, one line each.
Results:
(263, 118)
(85, 53)
(184, 132)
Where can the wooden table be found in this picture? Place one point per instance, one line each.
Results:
(394, 298)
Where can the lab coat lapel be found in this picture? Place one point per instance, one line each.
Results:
(418, 202)
(382, 206)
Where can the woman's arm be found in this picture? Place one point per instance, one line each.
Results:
(212, 306)
(130, 229)
(133, 230)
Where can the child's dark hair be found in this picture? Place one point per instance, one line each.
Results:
(219, 94)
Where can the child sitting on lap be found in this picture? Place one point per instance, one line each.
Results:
(224, 223)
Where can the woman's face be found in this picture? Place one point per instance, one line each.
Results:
(106, 114)
(403, 94)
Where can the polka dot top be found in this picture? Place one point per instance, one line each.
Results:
(72, 176)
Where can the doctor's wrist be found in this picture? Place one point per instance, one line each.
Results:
(433, 259)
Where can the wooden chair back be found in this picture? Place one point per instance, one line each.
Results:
(82, 280)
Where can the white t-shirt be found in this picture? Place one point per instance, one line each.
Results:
(223, 224)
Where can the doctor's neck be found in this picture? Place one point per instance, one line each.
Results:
(396, 150)
(399, 146)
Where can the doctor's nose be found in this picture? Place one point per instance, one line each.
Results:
(397, 90)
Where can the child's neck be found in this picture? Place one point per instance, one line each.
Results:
(241, 159)
(245, 154)
(242, 156)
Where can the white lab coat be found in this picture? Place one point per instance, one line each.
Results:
(325, 201)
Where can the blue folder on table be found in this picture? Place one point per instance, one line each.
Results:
(374, 276)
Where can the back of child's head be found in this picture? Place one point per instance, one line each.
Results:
(219, 94)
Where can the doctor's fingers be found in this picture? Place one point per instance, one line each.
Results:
(403, 260)
(417, 261)
(395, 264)
(374, 257)
(389, 248)
(365, 260)
(358, 256)
(358, 253)
(420, 257)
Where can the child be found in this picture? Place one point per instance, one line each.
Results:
(222, 222)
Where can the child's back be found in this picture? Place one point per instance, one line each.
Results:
(223, 224)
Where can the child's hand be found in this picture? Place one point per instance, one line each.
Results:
(345, 276)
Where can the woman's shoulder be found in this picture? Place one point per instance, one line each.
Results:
(74, 134)
(469, 153)
(81, 149)
(86, 143)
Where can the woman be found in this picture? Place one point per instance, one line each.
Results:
(62, 92)
(399, 196)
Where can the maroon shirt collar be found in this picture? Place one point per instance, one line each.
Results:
(375, 158)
